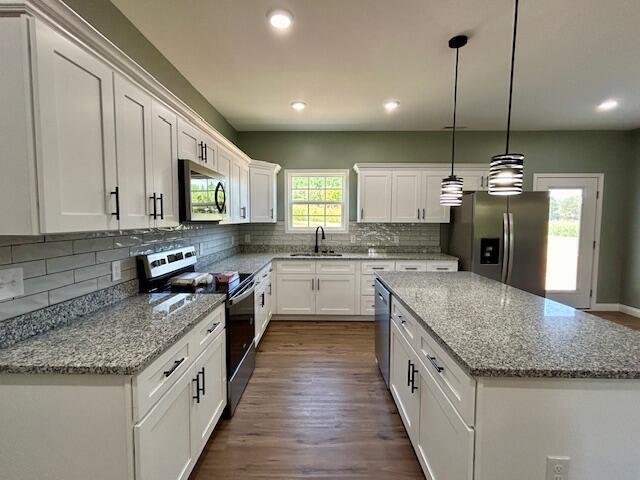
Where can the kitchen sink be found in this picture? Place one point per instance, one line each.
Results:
(313, 254)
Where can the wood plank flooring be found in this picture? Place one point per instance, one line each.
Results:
(621, 318)
(315, 408)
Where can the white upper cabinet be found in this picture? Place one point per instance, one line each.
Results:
(164, 197)
(374, 196)
(209, 152)
(134, 154)
(76, 154)
(263, 188)
(406, 200)
(239, 191)
(474, 179)
(189, 142)
(433, 212)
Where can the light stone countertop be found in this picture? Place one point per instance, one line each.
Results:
(493, 330)
(121, 339)
(251, 263)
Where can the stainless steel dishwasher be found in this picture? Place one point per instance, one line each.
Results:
(383, 317)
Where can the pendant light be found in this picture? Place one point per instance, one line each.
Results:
(506, 171)
(451, 190)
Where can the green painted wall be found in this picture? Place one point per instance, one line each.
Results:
(631, 275)
(109, 21)
(546, 152)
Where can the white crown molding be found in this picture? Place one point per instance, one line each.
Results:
(266, 165)
(62, 18)
(444, 166)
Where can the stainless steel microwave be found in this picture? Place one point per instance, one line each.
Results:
(202, 193)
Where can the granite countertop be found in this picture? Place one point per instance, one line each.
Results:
(119, 340)
(250, 263)
(494, 330)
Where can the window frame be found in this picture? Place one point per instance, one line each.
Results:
(329, 172)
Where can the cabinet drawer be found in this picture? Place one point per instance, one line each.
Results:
(411, 266)
(367, 284)
(377, 266)
(207, 330)
(442, 266)
(298, 266)
(367, 305)
(458, 387)
(150, 384)
(335, 266)
(407, 325)
(262, 277)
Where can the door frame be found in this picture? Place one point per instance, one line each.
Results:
(598, 224)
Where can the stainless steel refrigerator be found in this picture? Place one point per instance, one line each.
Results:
(503, 238)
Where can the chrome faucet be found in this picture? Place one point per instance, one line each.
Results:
(316, 249)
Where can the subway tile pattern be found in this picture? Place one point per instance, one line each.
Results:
(58, 268)
(390, 237)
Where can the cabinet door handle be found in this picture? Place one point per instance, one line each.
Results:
(409, 370)
(176, 364)
(206, 153)
(272, 214)
(262, 299)
(116, 192)
(362, 214)
(413, 379)
(270, 289)
(201, 372)
(155, 210)
(418, 214)
(212, 327)
(161, 206)
(196, 380)
(423, 210)
(438, 368)
(313, 284)
(318, 284)
(244, 212)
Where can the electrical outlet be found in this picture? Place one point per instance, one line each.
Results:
(353, 239)
(247, 238)
(116, 271)
(396, 239)
(11, 283)
(557, 468)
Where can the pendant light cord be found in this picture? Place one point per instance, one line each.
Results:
(455, 106)
(513, 60)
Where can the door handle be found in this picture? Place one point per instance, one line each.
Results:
(176, 364)
(423, 210)
(213, 327)
(313, 284)
(409, 369)
(116, 192)
(505, 247)
(201, 372)
(155, 210)
(161, 206)
(196, 380)
(438, 368)
(362, 214)
(418, 214)
(206, 153)
(413, 379)
(272, 214)
(318, 284)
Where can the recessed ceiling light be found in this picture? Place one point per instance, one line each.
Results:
(609, 104)
(280, 19)
(391, 105)
(299, 106)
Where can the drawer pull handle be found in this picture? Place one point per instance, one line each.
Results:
(377, 268)
(213, 327)
(442, 268)
(410, 268)
(438, 368)
(176, 364)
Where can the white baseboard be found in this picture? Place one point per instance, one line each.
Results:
(605, 307)
(630, 310)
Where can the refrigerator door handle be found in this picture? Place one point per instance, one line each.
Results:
(511, 245)
(505, 246)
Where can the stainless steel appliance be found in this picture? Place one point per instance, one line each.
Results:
(202, 193)
(503, 238)
(156, 272)
(382, 329)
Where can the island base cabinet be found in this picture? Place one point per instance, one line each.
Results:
(402, 381)
(444, 443)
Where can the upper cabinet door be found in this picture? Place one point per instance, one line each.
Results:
(234, 191)
(133, 151)
(261, 185)
(76, 152)
(406, 195)
(374, 196)
(209, 153)
(189, 142)
(243, 194)
(433, 211)
(165, 166)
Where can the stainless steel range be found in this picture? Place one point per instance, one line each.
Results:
(173, 271)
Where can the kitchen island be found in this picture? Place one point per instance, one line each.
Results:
(495, 383)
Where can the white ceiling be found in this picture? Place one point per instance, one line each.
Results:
(345, 58)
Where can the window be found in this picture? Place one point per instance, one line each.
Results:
(317, 198)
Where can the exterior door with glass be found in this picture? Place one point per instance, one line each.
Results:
(572, 234)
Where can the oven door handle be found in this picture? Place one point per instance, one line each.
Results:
(247, 291)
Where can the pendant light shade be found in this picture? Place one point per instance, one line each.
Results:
(506, 171)
(451, 189)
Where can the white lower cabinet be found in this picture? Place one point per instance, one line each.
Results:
(443, 442)
(402, 380)
(163, 444)
(335, 295)
(296, 294)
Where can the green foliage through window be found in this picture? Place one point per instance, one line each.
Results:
(317, 200)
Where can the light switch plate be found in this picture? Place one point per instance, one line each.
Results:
(116, 271)
(11, 283)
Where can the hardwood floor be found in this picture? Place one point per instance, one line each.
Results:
(315, 408)
(621, 318)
